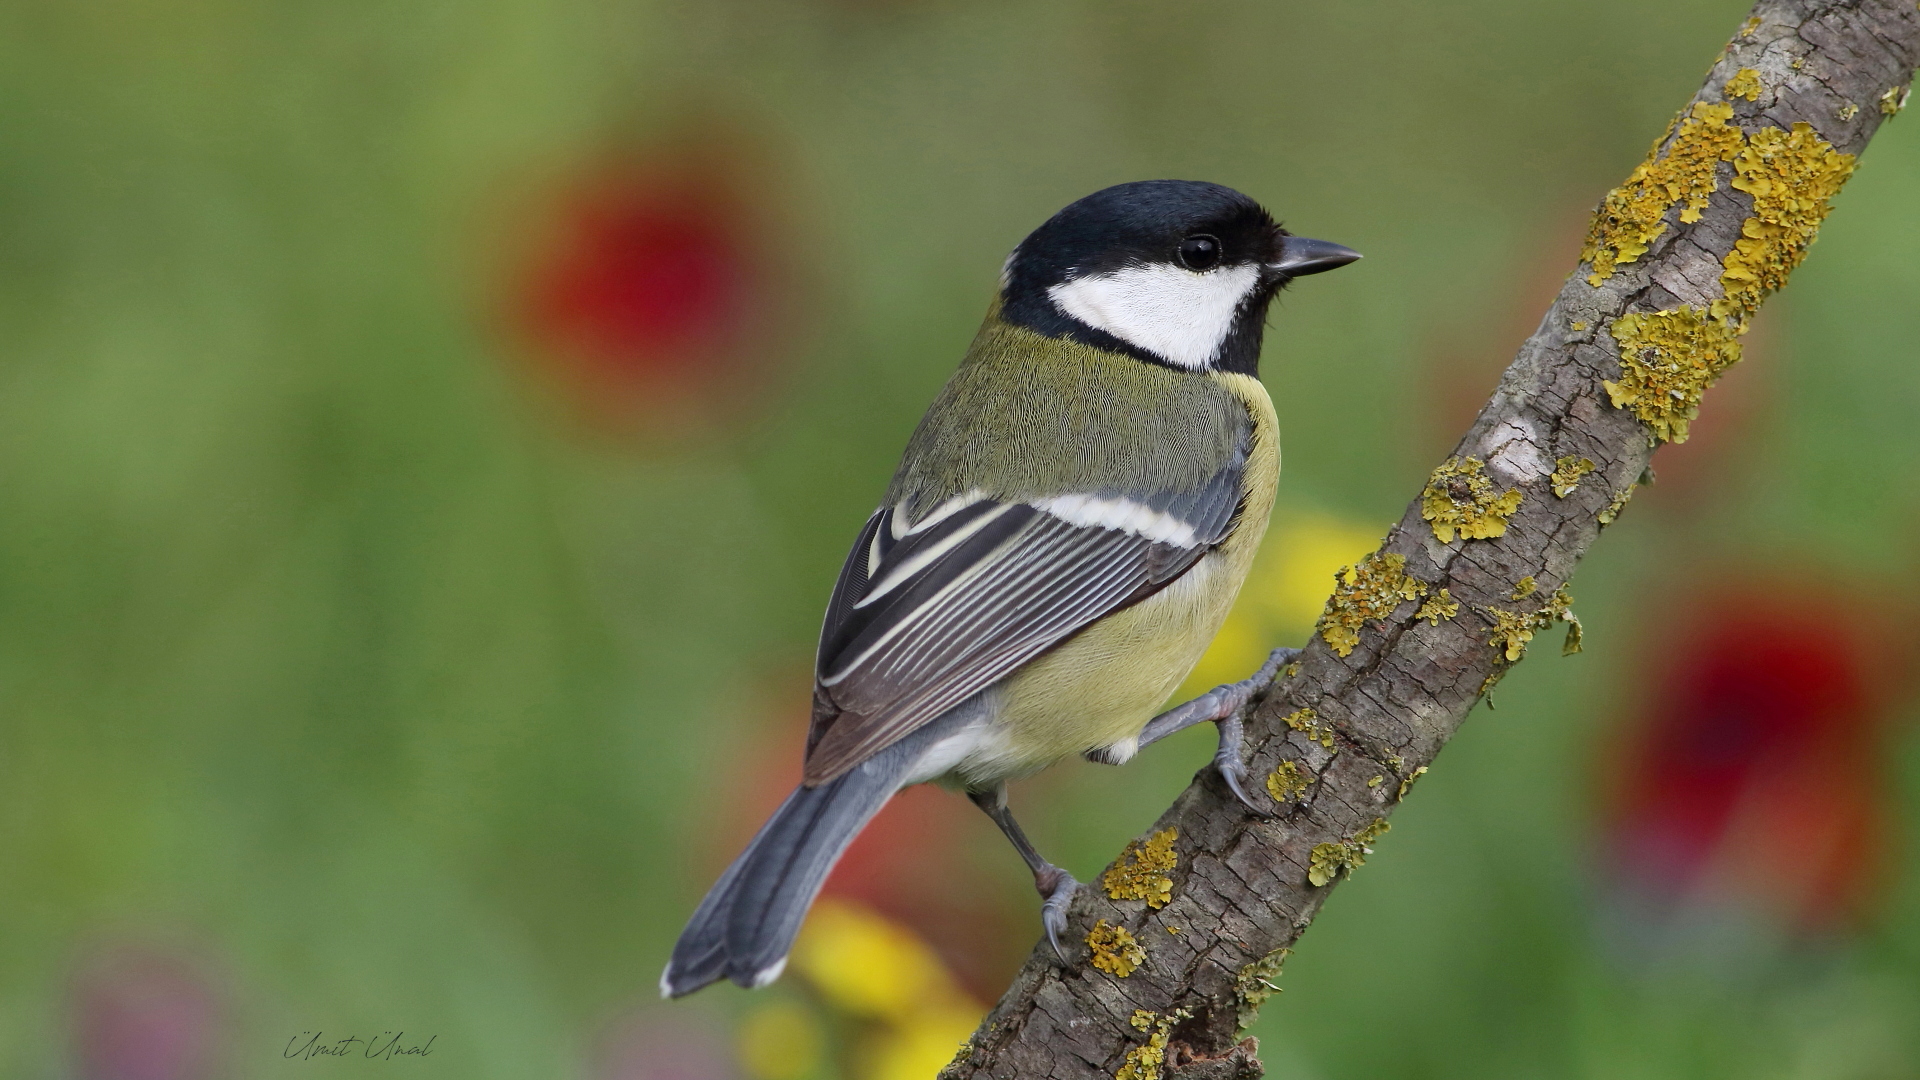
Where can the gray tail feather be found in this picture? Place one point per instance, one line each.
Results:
(744, 928)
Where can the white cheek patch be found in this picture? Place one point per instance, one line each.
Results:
(1124, 515)
(1174, 313)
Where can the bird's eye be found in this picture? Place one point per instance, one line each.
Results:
(1200, 252)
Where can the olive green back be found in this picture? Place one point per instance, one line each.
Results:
(1028, 416)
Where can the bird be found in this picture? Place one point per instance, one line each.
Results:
(1064, 535)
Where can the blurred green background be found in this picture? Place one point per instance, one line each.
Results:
(429, 431)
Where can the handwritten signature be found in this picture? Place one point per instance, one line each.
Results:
(385, 1046)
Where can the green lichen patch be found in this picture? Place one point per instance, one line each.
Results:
(1792, 176)
(1407, 784)
(1487, 684)
(1512, 630)
(1288, 783)
(1330, 860)
(1567, 472)
(1254, 984)
(1523, 588)
(1562, 608)
(1573, 643)
(1439, 607)
(1847, 111)
(1744, 84)
(1371, 590)
(960, 1057)
(1894, 100)
(1114, 950)
(1667, 361)
(1143, 869)
(1634, 213)
(1618, 504)
(1459, 497)
(1308, 723)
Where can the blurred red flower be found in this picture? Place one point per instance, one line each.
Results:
(654, 279)
(1753, 783)
(648, 278)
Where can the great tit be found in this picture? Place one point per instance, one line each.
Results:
(1063, 537)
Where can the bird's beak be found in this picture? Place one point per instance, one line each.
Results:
(1300, 256)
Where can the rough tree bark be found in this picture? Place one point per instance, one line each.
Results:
(1177, 945)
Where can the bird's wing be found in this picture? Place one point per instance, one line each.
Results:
(931, 611)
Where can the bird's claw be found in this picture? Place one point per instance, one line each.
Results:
(1057, 886)
(1233, 698)
(1233, 772)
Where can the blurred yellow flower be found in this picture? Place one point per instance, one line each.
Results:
(920, 1046)
(874, 969)
(867, 965)
(1284, 595)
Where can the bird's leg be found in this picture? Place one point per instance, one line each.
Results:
(1221, 705)
(1055, 885)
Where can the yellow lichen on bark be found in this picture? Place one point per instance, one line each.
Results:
(1512, 630)
(1328, 861)
(1633, 214)
(1308, 723)
(1439, 607)
(1459, 497)
(1792, 176)
(1744, 84)
(1667, 361)
(1143, 869)
(1114, 950)
(1567, 472)
(1144, 1062)
(1288, 783)
(1370, 590)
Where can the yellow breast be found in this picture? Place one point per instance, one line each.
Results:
(1102, 686)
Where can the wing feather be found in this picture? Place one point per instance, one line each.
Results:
(927, 613)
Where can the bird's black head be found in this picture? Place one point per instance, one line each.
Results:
(1173, 272)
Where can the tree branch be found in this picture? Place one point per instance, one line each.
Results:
(1679, 258)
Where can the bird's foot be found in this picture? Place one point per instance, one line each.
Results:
(1227, 757)
(1056, 888)
(1221, 706)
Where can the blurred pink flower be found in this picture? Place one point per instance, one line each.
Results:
(655, 1042)
(139, 1013)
